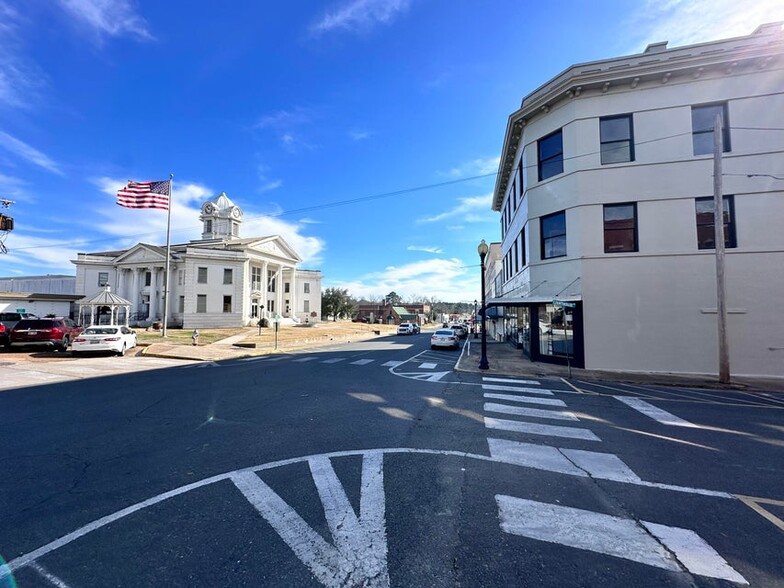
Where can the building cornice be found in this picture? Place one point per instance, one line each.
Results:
(657, 65)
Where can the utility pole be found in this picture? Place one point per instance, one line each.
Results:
(718, 222)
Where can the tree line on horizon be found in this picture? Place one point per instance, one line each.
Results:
(339, 304)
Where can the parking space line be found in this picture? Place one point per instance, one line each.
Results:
(754, 504)
(655, 413)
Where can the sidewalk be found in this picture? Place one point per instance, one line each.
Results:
(505, 360)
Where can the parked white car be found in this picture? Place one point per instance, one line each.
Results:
(103, 338)
(444, 338)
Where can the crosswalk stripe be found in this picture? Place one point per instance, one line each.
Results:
(655, 413)
(526, 399)
(428, 366)
(305, 359)
(614, 536)
(362, 361)
(509, 381)
(517, 389)
(529, 412)
(392, 363)
(334, 360)
(606, 466)
(539, 429)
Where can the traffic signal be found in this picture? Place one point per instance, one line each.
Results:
(6, 223)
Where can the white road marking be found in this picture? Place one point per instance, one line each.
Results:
(509, 381)
(530, 412)
(694, 552)
(517, 389)
(537, 429)
(264, 357)
(614, 536)
(656, 414)
(334, 360)
(303, 359)
(434, 377)
(392, 364)
(53, 580)
(540, 457)
(525, 399)
(359, 554)
(362, 361)
(30, 557)
(428, 366)
(606, 466)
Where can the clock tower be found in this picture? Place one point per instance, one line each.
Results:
(221, 218)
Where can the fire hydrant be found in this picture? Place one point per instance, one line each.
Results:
(195, 337)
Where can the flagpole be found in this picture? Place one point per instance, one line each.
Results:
(168, 258)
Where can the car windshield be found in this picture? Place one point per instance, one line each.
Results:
(100, 331)
(34, 324)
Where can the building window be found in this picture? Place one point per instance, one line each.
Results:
(516, 258)
(235, 230)
(201, 303)
(208, 226)
(227, 304)
(523, 258)
(706, 238)
(306, 305)
(228, 276)
(702, 119)
(616, 136)
(202, 275)
(254, 308)
(286, 287)
(306, 287)
(550, 155)
(103, 279)
(553, 228)
(181, 305)
(255, 278)
(180, 277)
(620, 227)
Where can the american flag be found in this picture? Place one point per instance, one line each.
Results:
(145, 195)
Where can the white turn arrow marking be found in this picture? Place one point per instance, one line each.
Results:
(359, 554)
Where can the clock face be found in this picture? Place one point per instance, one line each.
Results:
(208, 208)
(235, 213)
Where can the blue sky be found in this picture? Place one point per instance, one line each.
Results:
(294, 110)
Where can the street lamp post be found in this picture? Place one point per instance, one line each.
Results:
(482, 249)
(476, 331)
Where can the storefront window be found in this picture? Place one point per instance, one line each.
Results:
(524, 330)
(556, 332)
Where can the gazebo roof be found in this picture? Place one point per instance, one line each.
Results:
(105, 298)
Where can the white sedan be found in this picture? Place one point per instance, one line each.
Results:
(444, 338)
(116, 339)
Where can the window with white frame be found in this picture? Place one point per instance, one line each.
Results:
(227, 304)
(201, 275)
(228, 275)
(255, 278)
(306, 287)
(201, 303)
(103, 279)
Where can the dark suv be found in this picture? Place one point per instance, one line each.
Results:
(49, 332)
(8, 321)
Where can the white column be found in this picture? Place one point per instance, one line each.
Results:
(293, 298)
(135, 290)
(279, 291)
(264, 287)
(153, 297)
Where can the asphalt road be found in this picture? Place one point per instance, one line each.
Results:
(374, 464)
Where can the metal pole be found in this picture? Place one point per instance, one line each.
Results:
(476, 332)
(168, 258)
(483, 365)
(718, 222)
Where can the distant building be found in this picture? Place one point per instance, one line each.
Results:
(605, 191)
(221, 280)
(386, 313)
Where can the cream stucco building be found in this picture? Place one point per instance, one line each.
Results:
(220, 280)
(605, 191)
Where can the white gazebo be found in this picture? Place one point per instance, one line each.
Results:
(103, 300)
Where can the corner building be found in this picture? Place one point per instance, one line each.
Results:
(605, 190)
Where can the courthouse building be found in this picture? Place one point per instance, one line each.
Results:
(605, 191)
(220, 280)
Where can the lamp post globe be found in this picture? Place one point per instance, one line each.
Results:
(482, 250)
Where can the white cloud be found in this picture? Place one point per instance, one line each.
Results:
(425, 249)
(28, 153)
(112, 18)
(359, 135)
(685, 22)
(34, 252)
(285, 124)
(445, 279)
(476, 167)
(466, 210)
(361, 15)
(20, 79)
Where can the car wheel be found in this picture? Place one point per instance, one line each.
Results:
(63, 347)
(122, 351)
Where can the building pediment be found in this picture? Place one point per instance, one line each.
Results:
(142, 254)
(275, 246)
